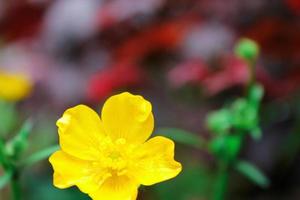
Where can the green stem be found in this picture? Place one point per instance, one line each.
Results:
(15, 188)
(252, 77)
(10, 168)
(222, 182)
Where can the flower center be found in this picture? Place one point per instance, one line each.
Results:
(114, 157)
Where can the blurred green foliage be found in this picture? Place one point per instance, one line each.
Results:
(229, 126)
(40, 188)
(8, 118)
(241, 116)
(182, 136)
(195, 182)
(13, 143)
(19, 142)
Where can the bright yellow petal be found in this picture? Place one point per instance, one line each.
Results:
(80, 132)
(68, 170)
(128, 116)
(155, 161)
(14, 87)
(116, 188)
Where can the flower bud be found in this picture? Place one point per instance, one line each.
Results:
(247, 49)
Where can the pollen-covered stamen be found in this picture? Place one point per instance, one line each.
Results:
(115, 157)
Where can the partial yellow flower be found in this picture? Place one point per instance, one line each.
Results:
(109, 158)
(14, 87)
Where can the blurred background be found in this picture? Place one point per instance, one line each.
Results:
(176, 53)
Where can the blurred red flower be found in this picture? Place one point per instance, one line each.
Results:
(112, 78)
(294, 5)
(193, 71)
(127, 71)
(22, 20)
(160, 36)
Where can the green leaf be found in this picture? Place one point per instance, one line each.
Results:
(226, 147)
(3, 156)
(219, 121)
(233, 145)
(5, 179)
(8, 117)
(182, 136)
(252, 173)
(217, 145)
(20, 142)
(244, 115)
(40, 155)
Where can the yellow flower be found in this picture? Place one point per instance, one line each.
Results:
(109, 158)
(14, 87)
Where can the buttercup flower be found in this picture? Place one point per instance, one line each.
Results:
(109, 158)
(14, 87)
